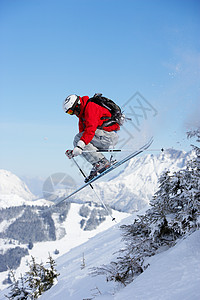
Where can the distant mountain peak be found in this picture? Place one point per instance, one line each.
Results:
(10, 184)
(132, 187)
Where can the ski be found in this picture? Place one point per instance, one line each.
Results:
(114, 166)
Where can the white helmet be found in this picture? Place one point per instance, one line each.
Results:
(70, 104)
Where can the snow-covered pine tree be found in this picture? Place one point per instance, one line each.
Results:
(35, 282)
(181, 196)
(174, 212)
(40, 278)
(18, 290)
(191, 195)
(50, 274)
(14, 287)
(34, 278)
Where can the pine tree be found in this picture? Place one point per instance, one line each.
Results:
(50, 275)
(30, 245)
(83, 263)
(174, 212)
(39, 278)
(15, 290)
(34, 278)
(18, 289)
(35, 282)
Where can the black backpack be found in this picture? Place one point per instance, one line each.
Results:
(116, 114)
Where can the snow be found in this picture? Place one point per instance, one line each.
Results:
(75, 236)
(131, 188)
(14, 192)
(172, 275)
(74, 282)
(11, 184)
(15, 200)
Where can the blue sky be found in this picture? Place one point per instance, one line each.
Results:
(52, 48)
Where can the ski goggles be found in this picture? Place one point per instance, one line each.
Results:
(70, 112)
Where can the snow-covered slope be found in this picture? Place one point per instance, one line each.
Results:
(75, 235)
(133, 186)
(75, 283)
(172, 275)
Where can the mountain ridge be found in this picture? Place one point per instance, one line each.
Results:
(12, 184)
(132, 187)
(129, 189)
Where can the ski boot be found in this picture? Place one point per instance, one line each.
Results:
(98, 167)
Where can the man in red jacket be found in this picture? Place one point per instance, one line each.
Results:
(93, 135)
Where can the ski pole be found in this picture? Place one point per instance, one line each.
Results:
(118, 150)
(113, 219)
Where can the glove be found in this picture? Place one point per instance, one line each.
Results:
(69, 153)
(79, 148)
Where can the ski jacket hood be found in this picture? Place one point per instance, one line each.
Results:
(90, 118)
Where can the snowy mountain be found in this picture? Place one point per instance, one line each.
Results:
(127, 189)
(58, 232)
(132, 187)
(11, 184)
(172, 275)
(14, 192)
(64, 232)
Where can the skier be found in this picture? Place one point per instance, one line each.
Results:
(96, 132)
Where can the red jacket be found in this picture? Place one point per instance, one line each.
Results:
(90, 119)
